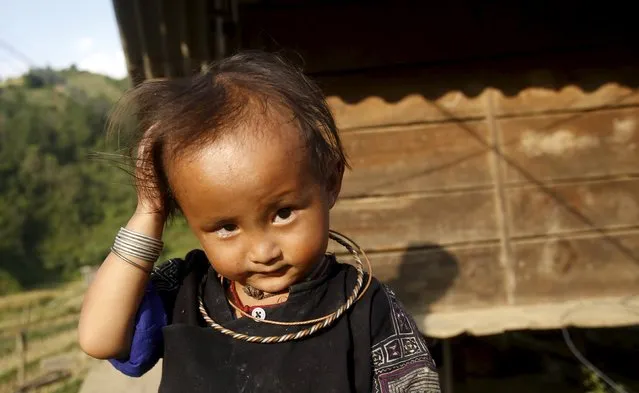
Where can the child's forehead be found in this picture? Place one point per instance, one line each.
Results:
(264, 132)
(243, 163)
(252, 141)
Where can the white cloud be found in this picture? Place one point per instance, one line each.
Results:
(10, 68)
(84, 44)
(111, 64)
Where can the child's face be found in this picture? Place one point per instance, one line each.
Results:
(251, 199)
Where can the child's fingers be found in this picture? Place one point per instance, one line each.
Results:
(145, 174)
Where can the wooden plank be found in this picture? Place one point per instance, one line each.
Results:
(589, 144)
(416, 158)
(197, 34)
(573, 207)
(21, 354)
(43, 380)
(374, 111)
(173, 35)
(554, 270)
(129, 37)
(66, 361)
(400, 222)
(147, 19)
(438, 279)
(570, 98)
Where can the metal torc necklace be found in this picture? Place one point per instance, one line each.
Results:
(317, 324)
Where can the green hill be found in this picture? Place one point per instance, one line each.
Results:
(52, 197)
(60, 206)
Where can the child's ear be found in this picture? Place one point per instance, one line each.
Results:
(335, 185)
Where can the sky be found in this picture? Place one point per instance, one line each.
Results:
(59, 33)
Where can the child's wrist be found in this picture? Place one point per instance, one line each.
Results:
(149, 213)
(147, 222)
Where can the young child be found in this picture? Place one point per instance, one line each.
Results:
(249, 153)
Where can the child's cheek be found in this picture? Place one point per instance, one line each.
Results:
(226, 259)
(307, 243)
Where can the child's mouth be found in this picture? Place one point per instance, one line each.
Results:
(275, 273)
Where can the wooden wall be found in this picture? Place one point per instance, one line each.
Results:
(499, 200)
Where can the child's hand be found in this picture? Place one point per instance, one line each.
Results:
(149, 200)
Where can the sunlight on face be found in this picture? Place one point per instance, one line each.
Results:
(253, 202)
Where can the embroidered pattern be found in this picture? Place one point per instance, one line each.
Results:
(401, 362)
(166, 277)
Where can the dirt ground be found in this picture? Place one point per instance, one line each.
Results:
(103, 378)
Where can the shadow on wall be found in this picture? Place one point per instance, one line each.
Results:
(426, 273)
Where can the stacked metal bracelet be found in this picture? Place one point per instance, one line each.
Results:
(129, 244)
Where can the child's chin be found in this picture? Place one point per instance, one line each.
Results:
(274, 284)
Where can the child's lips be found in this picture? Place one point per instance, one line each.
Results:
(274, 272)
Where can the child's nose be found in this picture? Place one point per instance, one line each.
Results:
(264, 251)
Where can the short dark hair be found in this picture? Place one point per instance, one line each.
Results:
(175, 115)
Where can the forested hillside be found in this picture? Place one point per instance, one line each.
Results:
(60, 206)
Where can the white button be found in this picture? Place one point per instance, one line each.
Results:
(258, 312)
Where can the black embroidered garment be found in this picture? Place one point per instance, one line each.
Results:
(375, 347)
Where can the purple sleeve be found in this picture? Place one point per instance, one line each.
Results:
(147, 344)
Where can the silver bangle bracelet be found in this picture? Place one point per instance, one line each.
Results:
(137, 245)
(142, 237)
(137, 253)
(130, 262)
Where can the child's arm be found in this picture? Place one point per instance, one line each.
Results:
(147, 342)
(107, 319)
(112, 300)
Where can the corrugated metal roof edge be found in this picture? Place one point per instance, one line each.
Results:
(591, 313)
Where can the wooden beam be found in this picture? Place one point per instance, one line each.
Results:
(173, 35)
(147, 20)
(125, 17)
(447, 368)
(198, 33)
(183, 31)
(219, 39)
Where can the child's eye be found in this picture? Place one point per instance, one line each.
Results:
(227, 230)
(284, 215)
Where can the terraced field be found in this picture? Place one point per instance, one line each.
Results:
(48, 321)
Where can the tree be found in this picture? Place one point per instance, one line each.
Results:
(58, 208)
